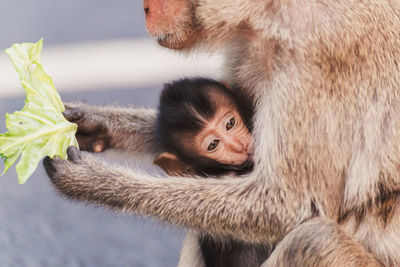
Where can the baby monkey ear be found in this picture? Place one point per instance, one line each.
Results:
(172, 165)
(226, 84)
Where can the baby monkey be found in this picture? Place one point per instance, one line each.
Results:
(204, 129)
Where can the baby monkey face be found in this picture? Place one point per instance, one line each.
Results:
(225, 138)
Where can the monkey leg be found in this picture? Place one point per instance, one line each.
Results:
(191, 254)
(319, 242)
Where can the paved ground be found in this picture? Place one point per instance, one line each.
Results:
(38, 228)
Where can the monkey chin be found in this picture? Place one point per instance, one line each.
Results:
(179, 41)
(169, 41)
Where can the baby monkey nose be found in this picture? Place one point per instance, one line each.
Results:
(237, 145)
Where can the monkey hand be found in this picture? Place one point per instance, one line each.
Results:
(92, 132)
(73, 176)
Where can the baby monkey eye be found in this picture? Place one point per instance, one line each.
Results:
(230, 123)
(213, 145)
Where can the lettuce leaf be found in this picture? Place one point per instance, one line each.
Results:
(39, 129)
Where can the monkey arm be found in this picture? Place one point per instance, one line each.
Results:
(231, 207)
(105, 127)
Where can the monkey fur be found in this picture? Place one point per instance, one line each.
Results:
(180, 104)
(324, 75)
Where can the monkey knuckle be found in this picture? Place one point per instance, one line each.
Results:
(71, 105)
(78, 113)
(72, 115)
(74, 154)
(49, 166)
(55, 169)
(72, 150)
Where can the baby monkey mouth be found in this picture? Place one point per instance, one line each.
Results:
(245, 167)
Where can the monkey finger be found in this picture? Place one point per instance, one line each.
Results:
(78, 115)
(74, 154)
(48, 165)
(73, 114)
(53, 167)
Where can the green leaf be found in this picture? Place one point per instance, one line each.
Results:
(39, 129)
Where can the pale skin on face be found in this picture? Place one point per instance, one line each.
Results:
(225, 138)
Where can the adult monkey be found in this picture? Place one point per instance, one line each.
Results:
(326, 186)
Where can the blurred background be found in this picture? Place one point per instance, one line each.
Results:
(97, 52)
